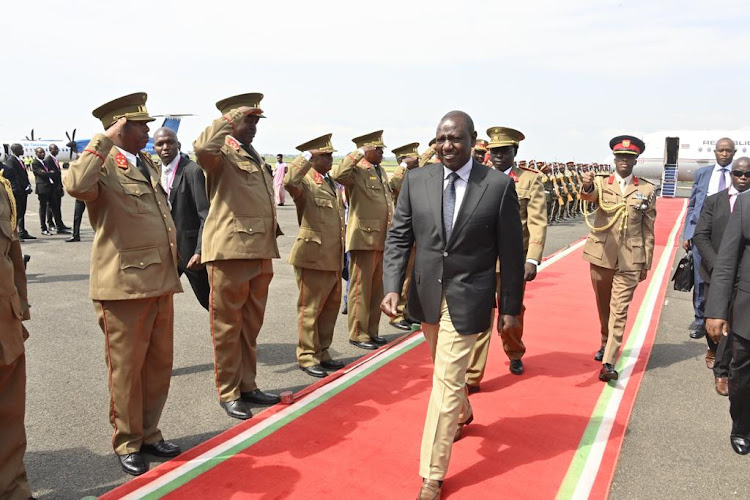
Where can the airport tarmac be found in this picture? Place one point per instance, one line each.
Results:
(676, 445)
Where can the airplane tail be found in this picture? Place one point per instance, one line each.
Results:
(172, 122)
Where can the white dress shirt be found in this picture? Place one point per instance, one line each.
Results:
(713, 182)
(129, 156)
(460, 184)
(168, 173)
(623, 182)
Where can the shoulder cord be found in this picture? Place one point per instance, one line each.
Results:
(616, 211)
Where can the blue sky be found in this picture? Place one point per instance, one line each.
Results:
(570, 75)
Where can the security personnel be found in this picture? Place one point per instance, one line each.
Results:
(480, 151)
(573, 188)
(370, 216)
(620, 246)
(239, 241)
(14, 308)
(133, 274)
(503, 148)
(317, 254)
(549, 191)
(408, 158)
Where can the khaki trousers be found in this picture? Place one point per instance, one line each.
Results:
(365, 293)
(317, 311)
(13, 482)
(512, 345)
(239, 290)
(405, 289)
(449, 399)
(614, 292)
(138, 347)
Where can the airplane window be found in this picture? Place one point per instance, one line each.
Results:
(708, 149)
(700, 150)
(744, 150)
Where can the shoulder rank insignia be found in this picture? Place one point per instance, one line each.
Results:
(232, 143)
(121, 161)
(317, 177)
(513, 175)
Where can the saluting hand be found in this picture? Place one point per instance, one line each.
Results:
(113, 131)
(411, 163)
(389, 305)
(247, 110)
(716, 328)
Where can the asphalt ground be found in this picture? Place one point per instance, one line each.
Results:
(677, 442)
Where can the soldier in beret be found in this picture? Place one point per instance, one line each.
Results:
(317, 254)
(133, 274)
(239, 241)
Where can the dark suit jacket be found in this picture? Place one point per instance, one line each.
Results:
(44, 180)
(189, 207)
(710, 230)
(733, 264)
(20, 175)
(488, 227)
(697, 197)
(55, 174)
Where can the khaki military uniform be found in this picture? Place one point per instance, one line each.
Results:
(370, 216)
(239, 241)
(318, 257)
(618, 256)
(133, 277)
(14, 309)
(533, 207)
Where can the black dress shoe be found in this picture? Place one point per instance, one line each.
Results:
(261, 398)
(133, 464)
(66, 227)
(608, 373)
(363, 345)
(26, 236)
(740, 444)
(473, 388)
(378, 340)
(401, 325)
(73, 239)
(62, 231)
(161, 449)
(599, 355)
(516, 366)
(315, 371)
(332, 364)
(345, 309)
(698, 334)
(237, 409)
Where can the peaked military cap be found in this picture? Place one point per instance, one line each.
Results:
(322, 144)
(480, 145)
(407, 150)
(374, 139)
(627, 144)
(432, 141)
(504, 136)
(132, 107)
(251, 100)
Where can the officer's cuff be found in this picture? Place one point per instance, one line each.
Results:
(307, 155)
(532, 261)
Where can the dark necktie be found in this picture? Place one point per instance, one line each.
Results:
(449, 205)
(142, 167)
(379, 172)
(330, 183)
(723, 179)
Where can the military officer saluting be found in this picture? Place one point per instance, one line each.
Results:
(317, 254)
(370, 216)
(239, 241)
(503, 148)
(133, 274)
(14, 308)
(620, 246)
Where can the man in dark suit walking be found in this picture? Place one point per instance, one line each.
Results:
(185, 184)
(707, 239)
(21, 188)
(458, 242)
(48, 188)
(732, 268)
(707, 181)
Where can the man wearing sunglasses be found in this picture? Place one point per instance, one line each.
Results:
(707, 239)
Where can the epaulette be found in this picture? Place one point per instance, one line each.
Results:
(646, 180)
(529, 169)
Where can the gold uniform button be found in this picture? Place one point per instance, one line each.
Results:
(141, 263)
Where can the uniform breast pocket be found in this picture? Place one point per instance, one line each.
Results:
(523, 193)
(370, 229)
(595, 245)
(249, 172)
(308, 244)
(639, 253)
(248, 230)
(136, 197)
(324, 207)
(133, 268)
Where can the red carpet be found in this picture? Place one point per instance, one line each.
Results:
(533, 436)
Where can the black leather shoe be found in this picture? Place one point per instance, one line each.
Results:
(401, 325)
(133, 464)
(62, 231)
(161, 449)
(608, 373)
(740, 444)
(66, 228)
(332, 364)
(378, 340)
(26, 236)
(237, 409)
(261, 398)
(698, 334)
(599, 355)
(473, 388)
(345, 309)
(363, 345)
(73, 239)
(315, 371)
(516, 366)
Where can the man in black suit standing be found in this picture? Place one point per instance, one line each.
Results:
(463, 217)
(21, 188)
(732, 266)
(185, 184)
(48, 189)
(707, 239)
(54, 213)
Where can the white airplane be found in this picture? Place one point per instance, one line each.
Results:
(688, 149)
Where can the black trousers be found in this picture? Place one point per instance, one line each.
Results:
(739, 385)
(722, 350)
(78, 217)
(46, 202)
(199, 282)
(21, 198)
